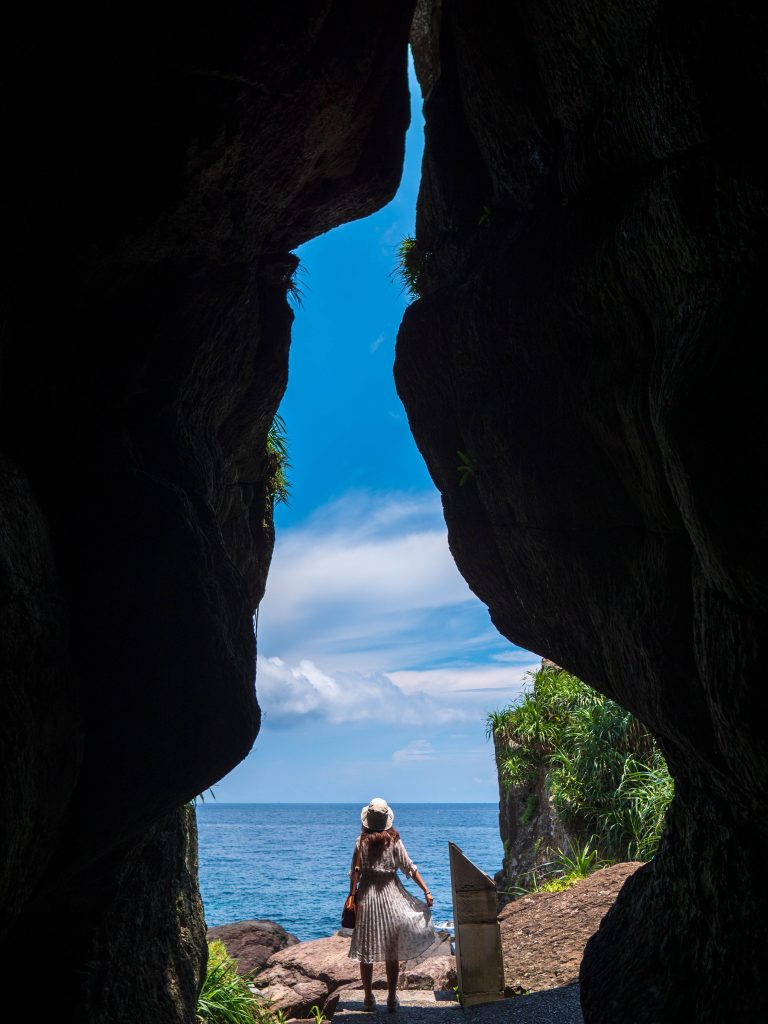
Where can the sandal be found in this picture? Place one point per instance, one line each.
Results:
(369, 1004)
(393, 1004)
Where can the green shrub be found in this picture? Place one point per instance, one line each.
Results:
(225, 997)
(410, 266)
(277, 461)
(609, 781)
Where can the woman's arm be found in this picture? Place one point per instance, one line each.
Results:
(405, 864)
(354, 871)
(423, 886)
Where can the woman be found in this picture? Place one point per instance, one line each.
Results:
(391, 925)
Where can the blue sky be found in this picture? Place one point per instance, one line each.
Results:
(376, 665)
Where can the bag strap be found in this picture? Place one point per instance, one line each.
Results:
(356, 865)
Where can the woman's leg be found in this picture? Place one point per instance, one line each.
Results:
(393, 969)
(366, 976)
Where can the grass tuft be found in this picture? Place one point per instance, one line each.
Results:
(410, 266)
(225, 997)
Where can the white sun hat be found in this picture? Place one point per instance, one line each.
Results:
(377, 816)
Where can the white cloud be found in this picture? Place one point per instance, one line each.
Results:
(416, 750)
(366, 619)
(362, 584)
(377, 343)
(288, 693)
(460, 680)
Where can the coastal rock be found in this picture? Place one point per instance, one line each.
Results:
(543, 935)
(436, 973)
(529, 828)
(252, 943)
(592, 225)
(304, 975)
(161, 175)
(318, 972)
(159, 898)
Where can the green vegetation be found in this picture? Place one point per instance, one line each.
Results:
(531, 806)
(466, 467)
(608, 779)
(318, 1014)
(225, 997)
(277, 461)
(410, 266)
(562, 871)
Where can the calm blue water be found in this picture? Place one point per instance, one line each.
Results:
(289, 862)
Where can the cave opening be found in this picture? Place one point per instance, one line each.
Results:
(580, 379)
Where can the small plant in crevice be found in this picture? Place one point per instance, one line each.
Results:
(411, 261)
(201, 796)
(485, 215)
(465, 468)
(318, 1015)
(293, 291)
(277, 459)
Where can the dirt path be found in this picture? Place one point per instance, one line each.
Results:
(554, 1006)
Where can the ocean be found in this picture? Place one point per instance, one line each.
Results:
(289, 862)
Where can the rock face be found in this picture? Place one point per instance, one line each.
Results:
(592, 221)
(319, 972)
(303, 976)
(158, 175)
(157, 900)
(529, 828)
(543, 935)
(252, 943)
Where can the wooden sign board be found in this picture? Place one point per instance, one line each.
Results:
(479, 965)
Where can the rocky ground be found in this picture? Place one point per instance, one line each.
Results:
(252, 943)
(543, 938)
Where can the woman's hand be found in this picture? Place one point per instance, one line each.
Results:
(428, 897)
(350, 900)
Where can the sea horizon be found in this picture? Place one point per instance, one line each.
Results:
(264, 860)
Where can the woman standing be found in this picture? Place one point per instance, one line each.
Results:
(391, 925)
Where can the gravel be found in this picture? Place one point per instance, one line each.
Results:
(553, 1006)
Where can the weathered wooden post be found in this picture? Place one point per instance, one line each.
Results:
(479, 965)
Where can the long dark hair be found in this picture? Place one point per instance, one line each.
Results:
(377, 842)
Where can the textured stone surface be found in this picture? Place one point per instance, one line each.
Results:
(158, 901)
(298, 977)
(251, 943)
(436, 973)
(530, 829)
(161, 163)
(593, 211)
(543, 935)
(320, 972)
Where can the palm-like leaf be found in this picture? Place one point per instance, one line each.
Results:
(608, 780)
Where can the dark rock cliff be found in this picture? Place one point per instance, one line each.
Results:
(592, 220)
(530, 830)
(160, 166)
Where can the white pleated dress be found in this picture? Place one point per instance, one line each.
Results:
(390, 923)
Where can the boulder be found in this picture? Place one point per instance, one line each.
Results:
(436, 973)
(317, 973)
(543, 935)
(304, 975)
(252, 943)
